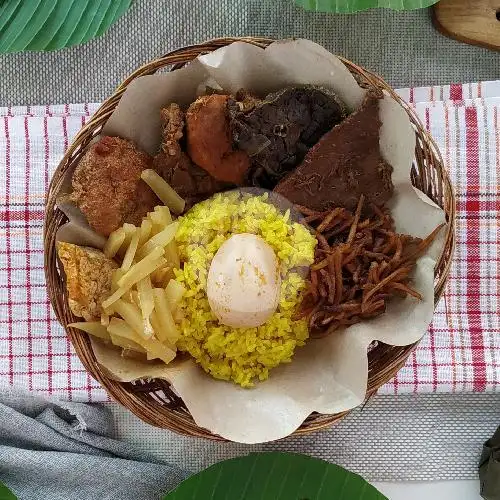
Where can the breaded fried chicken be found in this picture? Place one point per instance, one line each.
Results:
(88, 278)
(209, 141)
(191, 183)
(107, 185)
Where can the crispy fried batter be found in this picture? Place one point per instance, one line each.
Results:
(191, 183)
(107, 185)
(209, 142)
(88, 278)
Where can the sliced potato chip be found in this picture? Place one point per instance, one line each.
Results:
(163, 190)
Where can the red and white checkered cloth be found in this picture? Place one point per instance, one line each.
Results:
(460, 353)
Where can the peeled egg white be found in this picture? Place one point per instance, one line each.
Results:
(243, 283)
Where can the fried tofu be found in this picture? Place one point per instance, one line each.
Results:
(107, 185)
(88, 278)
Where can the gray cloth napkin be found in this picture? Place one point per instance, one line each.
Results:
(62, 451)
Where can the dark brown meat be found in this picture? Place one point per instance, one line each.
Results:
(277, 132)
(107, 185)
(189, 181)
(343, 165)
(209, 141)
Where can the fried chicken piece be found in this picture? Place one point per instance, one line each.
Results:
(88, 278)
(345, 164)
(191, 182)
(107, 185)
(209, 141)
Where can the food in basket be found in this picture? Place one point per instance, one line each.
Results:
(138, 306)
(343, 165)
(107, 185)
(360, 264)
(277, 131)
(252, 284)
(327, 375)
(250, 351)
(88, 278)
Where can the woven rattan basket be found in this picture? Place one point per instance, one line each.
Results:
(153, 401)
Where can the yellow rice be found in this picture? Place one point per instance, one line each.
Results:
(242, 355)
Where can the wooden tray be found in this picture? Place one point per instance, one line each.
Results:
(470, 21)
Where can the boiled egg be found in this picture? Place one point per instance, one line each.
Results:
(243, 284)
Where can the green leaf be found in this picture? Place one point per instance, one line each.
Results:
(356, 5)
(55, 24)
(5, 493)
(275, 476)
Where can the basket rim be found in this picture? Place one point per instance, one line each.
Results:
(53, 218)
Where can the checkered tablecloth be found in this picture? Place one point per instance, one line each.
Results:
(461, 351)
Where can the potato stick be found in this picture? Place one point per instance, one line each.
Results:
(172, 255)
(130, 253)
(165, 211)
(174, 292)
(158, 331)
(164, 316)
(162, 189)
(130, 230)
(162, 239)
(114, 242)
(117, 275)
(145, 231)
(143, 268)
(126, 343)
(396, 274)
(121, 328)
(104, 319)
(107, 304)
(146, 302)
(157, 350)
(131, 314)
(160, 218)
(93, 328)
